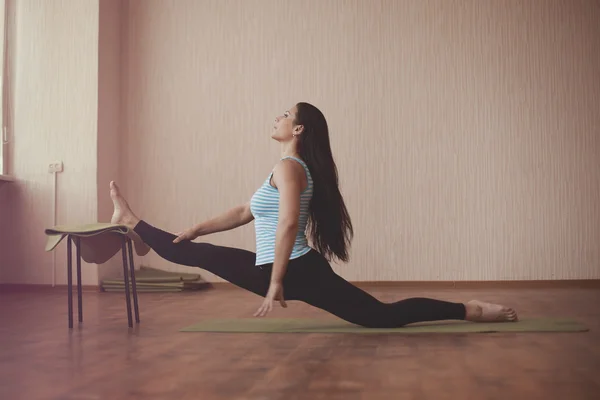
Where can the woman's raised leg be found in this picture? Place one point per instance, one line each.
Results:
(236, 266)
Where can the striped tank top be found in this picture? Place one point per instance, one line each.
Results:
(264, 206)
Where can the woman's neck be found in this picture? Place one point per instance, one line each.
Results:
(289, 149)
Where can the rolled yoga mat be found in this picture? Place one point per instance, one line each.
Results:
(155, 280)
(303, 325)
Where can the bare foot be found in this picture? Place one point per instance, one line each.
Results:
(122, 214)
(479, 311)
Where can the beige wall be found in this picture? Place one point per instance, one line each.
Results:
(466, 132)
(54, 52)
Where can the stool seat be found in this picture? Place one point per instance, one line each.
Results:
(99, 244)
(96, 244)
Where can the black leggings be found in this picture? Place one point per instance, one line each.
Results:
(309, 278)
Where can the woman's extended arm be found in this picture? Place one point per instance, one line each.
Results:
(237, 216)
(231, 219)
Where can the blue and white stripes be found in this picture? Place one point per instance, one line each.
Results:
(264, 206)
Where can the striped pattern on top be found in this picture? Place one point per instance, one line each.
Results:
(264, 206)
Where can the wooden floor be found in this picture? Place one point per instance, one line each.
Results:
(102, 359)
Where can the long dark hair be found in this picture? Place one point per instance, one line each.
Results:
(329, 224)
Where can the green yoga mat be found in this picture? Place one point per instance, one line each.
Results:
(300, 325)
(143, 289)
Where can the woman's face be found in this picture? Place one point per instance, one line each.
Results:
(284, 127)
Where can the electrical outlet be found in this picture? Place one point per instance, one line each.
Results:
(56, 166)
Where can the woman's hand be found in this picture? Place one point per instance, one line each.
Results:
(189, 234)
(275, 293)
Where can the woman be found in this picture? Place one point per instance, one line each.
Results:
(300, 195)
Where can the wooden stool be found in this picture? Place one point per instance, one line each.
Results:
(97, 243)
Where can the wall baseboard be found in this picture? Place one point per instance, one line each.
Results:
(40, 287)
(512, 284)
(516, 284)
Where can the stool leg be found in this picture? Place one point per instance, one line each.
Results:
(126, 277)
(79, 288)
(136, 309)
(70, 282)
